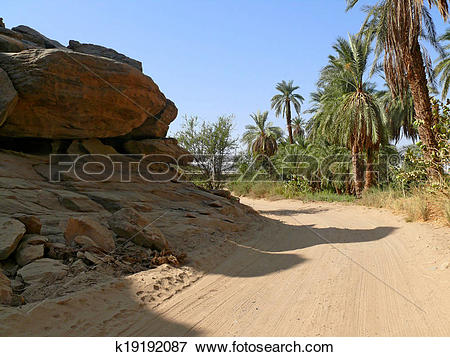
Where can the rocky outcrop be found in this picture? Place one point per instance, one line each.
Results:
(36, 37)
(11, 232)
(129, 224)
(85, 96)
(85, 226)
(101, 51)
(166, 150)
(8, 98)
(88, 99)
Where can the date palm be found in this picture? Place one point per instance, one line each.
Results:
(398, 26)
(298, 127)
(262, 138)
(282, 103)
(443, 67)
(348, 112)
(399, 115)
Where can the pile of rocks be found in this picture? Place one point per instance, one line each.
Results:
(30, 258)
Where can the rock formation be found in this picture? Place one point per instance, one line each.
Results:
(88, 99)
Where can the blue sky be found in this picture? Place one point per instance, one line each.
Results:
(211, 57)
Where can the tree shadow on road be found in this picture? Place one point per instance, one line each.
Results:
(279, 246)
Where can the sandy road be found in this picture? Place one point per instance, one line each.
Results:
(326, 270)
(309, 270)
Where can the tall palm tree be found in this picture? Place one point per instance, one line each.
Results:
(282, 103)
(443, 67)
(349, 112)
(398, 25)
(263, 137)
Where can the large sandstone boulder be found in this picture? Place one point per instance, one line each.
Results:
(101, 51)
(11, 232)
(167, 150)
(128, 223)
(5, 290)
(85, 96)
(43, 270)
(156, 126)
(85, 226)
(8, 97)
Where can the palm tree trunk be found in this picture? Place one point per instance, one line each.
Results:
(288, 120)
(422, 105)
(358, 171)
(370, 174)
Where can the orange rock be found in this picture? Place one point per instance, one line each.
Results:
(85, 96)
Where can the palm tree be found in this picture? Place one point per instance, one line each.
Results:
(298, 127)
(349, 113)
(398, 25)
(399, 115)
(443, 67)
(282, 103)
(263, 137)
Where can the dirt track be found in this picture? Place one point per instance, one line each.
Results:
(311, 270)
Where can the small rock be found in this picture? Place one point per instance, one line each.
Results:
(128, 223)
(78, 265)
(34, 239)
(444, 266)
(95, 146)
(56, 238)
(11, 232)
(190, 215)
(32, 223)
(5, 290)
(17, 285)
(215, 204)
(93, 258)
(26, 253)
(85, 242)
(221, 193)
(17, 300)
(85, 226)
(41, 270)
(80, 255)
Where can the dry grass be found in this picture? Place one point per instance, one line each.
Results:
(418, 205)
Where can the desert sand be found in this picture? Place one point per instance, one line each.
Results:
(306, 269)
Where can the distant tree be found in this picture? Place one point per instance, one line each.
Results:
(298, 127)
(282, 103)
(212, 145)
(263, 137)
